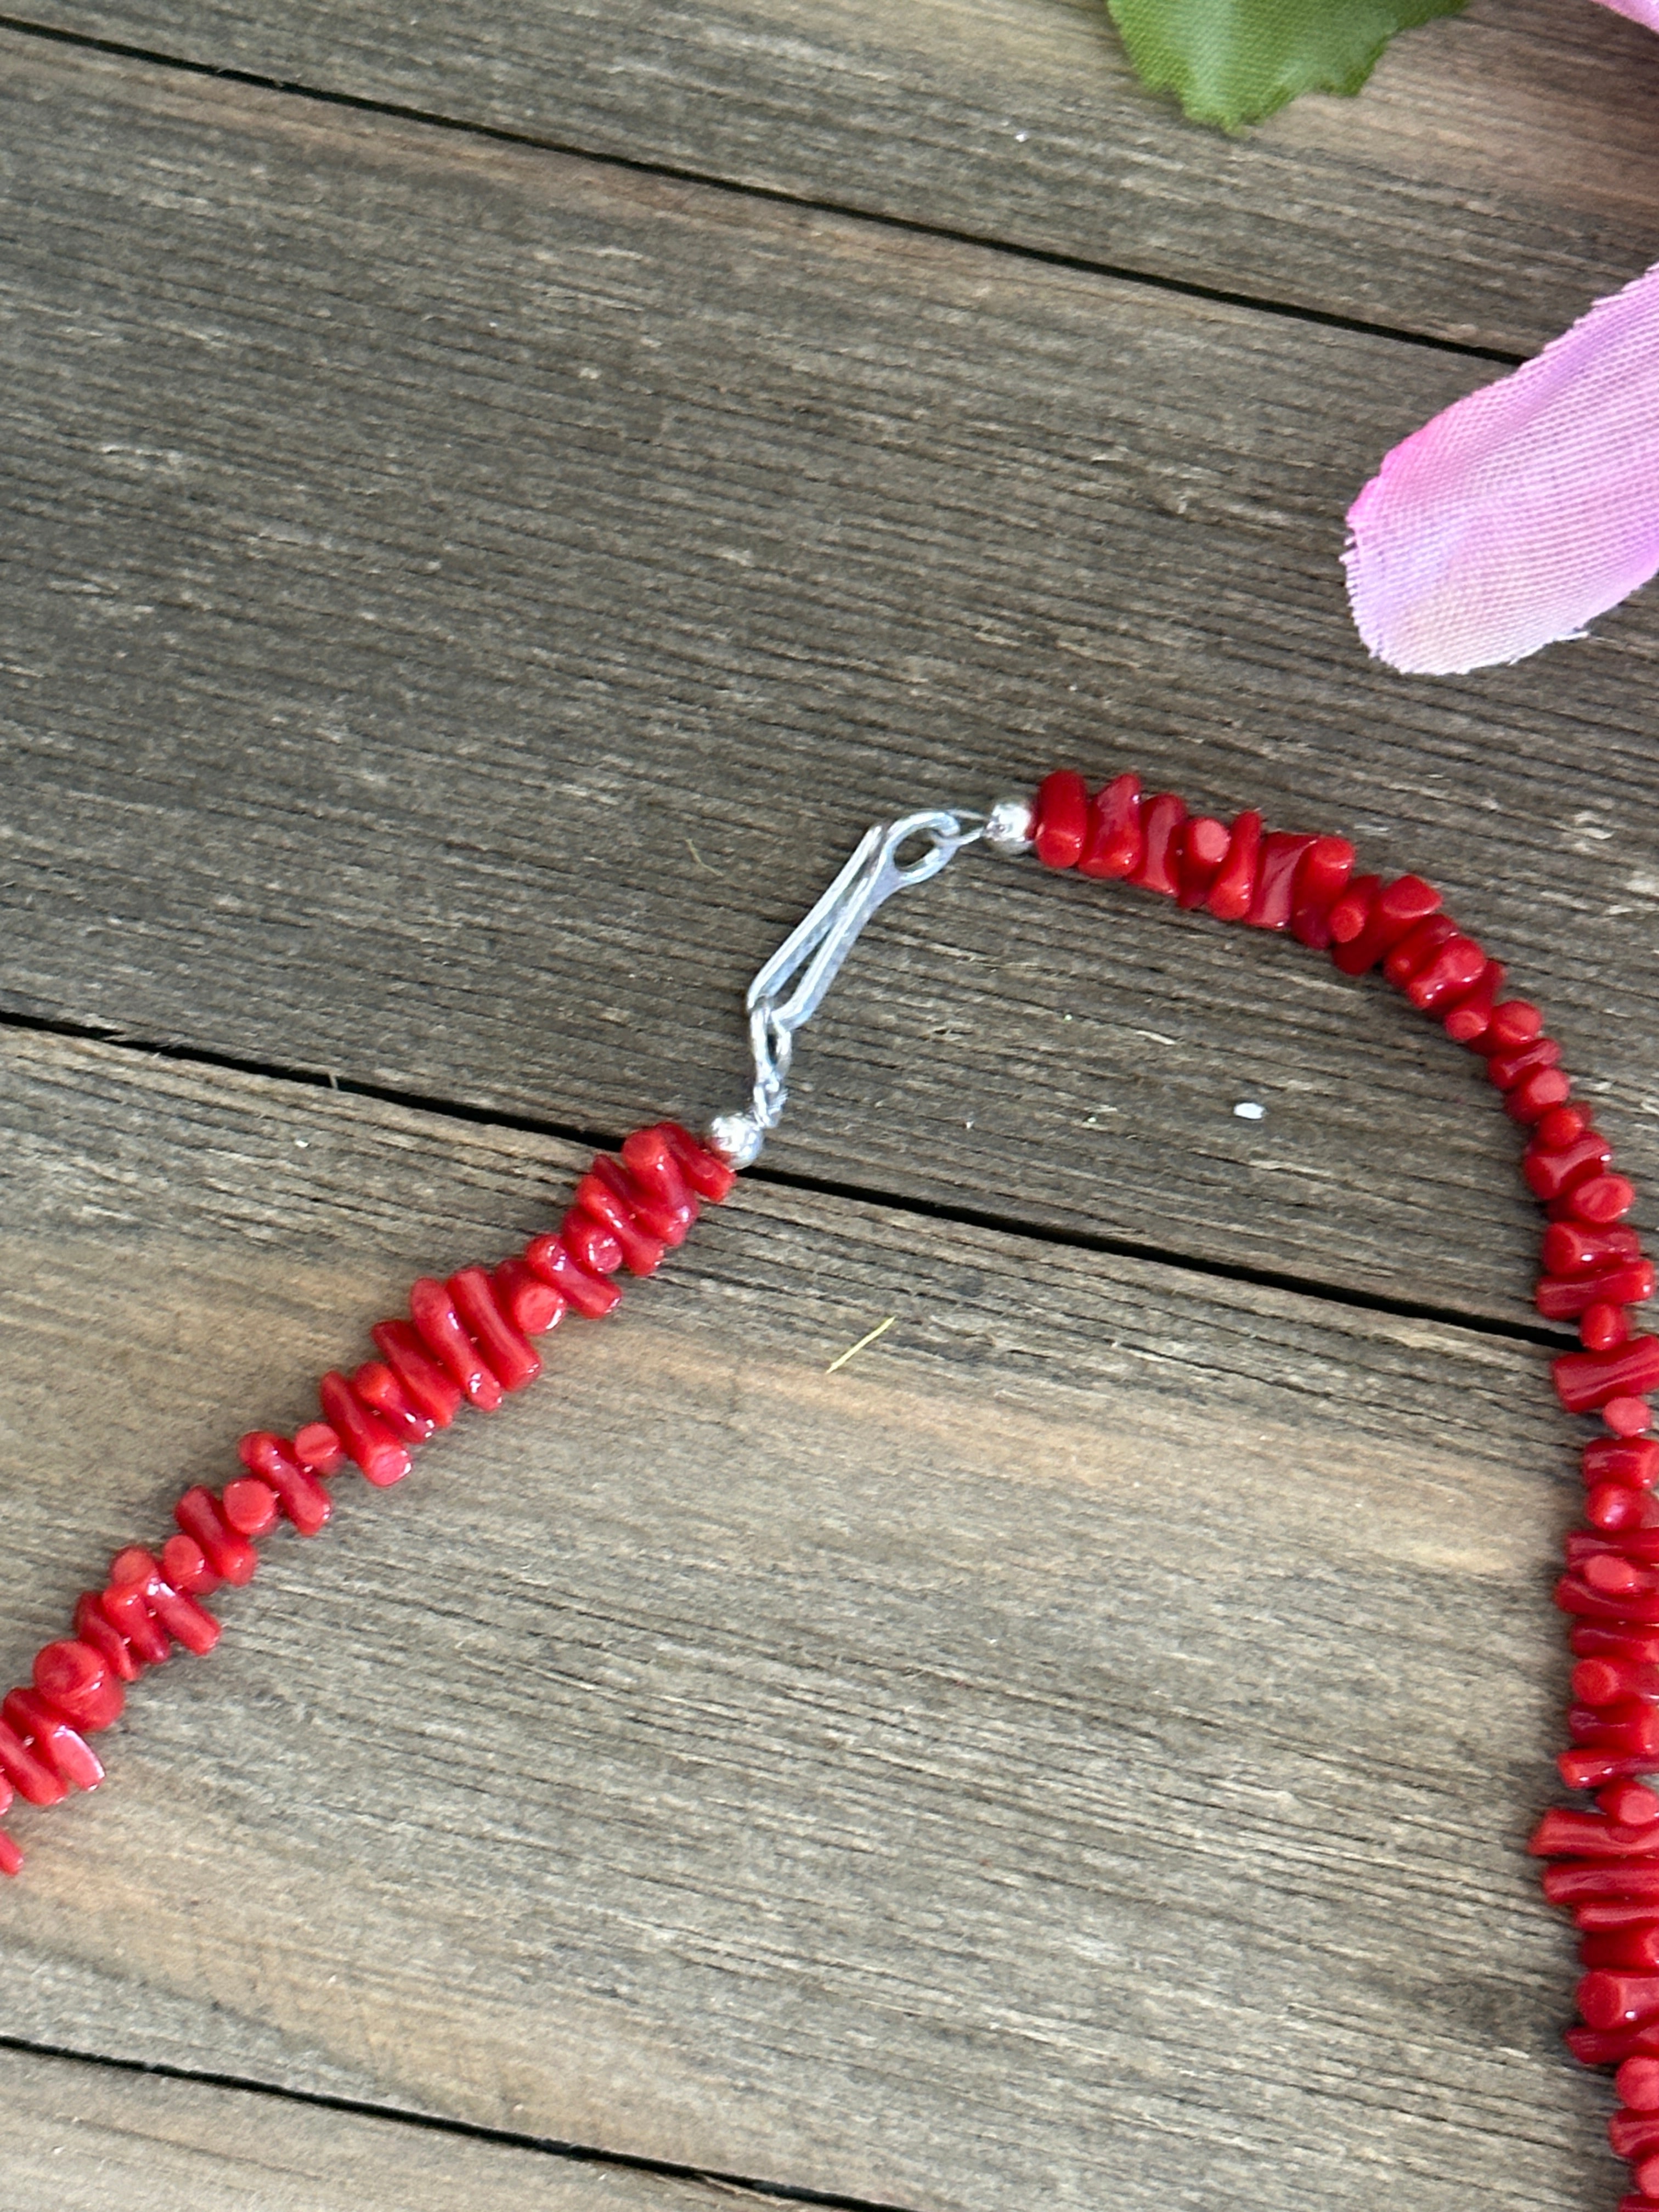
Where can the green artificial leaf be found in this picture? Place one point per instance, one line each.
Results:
(1232, 62)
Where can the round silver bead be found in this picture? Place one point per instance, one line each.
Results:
(737, 1138)
(1008, 827)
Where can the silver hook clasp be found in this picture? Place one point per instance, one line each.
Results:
(809, 959)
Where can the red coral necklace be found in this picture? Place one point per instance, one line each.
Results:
(468, 1340)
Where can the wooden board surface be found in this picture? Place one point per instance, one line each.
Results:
(80, 2138)
(466, 600)
(1497, 174)
(1088, 1737)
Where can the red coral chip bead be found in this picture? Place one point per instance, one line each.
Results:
(250, 1506)
(510, 1355)
(1563, 1833)
(1627, 1417)
(1566, 1297)
(1561, 1127)
(1446, 977)
(1605, 1882)
(1551, 1173)
(366, 1438)
(230, 1556)
(1634, 2135)
(94, 1626)
(1536, 1094)
(1350, 913)
(1321, 880)
(1633, 1460)
(441, 1331)
(1609, 2000)
(655, 1173)
(1598, 1201)
(1592, 2048)
(1160, 822)
(1634, 1948)
(1061, 819)
(1468, 1021)
(529, 1303)
(1397, 909)
(1602, 1325)
(1514, 1025)
(666, 1225)
(183, 1563)
(319, 1449)
(1273, 903)
(1417, 948)
(589, 1293)
(709, 1176)
(25, 1770)
(11, 1859)
(1637, 2084)
(1202, 849)
(78, 1682)
(1644, 2172)
(1116, 839)
(1585, 1380)
(1233, 892)
(1630, 1804)
(139, 1592)
(1613, 1506)
(427, 1385)
(304, 1500)
(595, 1251)
(1631, 1728)
(1505, 1069)
(379, 1389)
(53, 1740)
(597, 1196)
(1574, 1248)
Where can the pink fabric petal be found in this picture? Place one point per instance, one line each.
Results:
(1523, 511)
(1639, 11)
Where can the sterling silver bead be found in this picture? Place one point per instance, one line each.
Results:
(737, 1138)
(1008, 827)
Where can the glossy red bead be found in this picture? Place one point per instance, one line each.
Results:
(231, 1556)
(531, 1304)
(1628, 1416)
(1634, 1949)
(183, 1563)
(250, 1507)
(1561, 1127)
(1203, 849)
(429, 1387)
(1609, 2000)
(1394, 911)
(1233, 891)
(366, 1438)
(663, 1225)
(139, 1593)
(507, 1352)
(441, 1331)
(655, 1171)
(1637, 2084)
(1514, 1025)
(1160, 825)
(1321, 877)
(1631, 1729)
(1505, 1069)
(11, 1858)
(1116, 842)
(375, 1385)
(1602, 1881)
(1585, 1380)
(1598, 1201)
(319, 1449)
(709, 1176)
(1417, 948)
(597, 1198)
(1630, 1804)
(35, 1781)
(589, 1293)
(1565, 1298)
(1444, 980)
(1574, 1248)
(1467, 1022)
(1634, 2135)
(595, 1251)
(94, 1626)
(78, 1682)
(1273, 904)
(1061, 819)
(1550, 1174)
(304, 1500)
(1563, 1833)
(1614, 1506)
(58, 1745)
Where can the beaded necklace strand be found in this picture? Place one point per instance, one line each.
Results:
(468, 1340)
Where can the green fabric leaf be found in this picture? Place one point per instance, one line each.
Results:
(1232, 62)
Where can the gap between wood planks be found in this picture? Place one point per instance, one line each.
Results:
(466, 2130)
(824, 1186)
(400, 111)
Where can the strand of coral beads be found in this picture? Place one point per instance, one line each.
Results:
(1593, 1272)
(466, 1340)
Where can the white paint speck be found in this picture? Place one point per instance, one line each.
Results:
(1249, 1109)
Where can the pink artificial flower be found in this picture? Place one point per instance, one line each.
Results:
(1525, 509)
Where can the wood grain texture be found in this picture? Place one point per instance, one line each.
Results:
(81, 2137)
(1079, 1750)
(462, 602)
(1497, 174)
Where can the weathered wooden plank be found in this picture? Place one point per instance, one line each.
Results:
(1495, 176)
(462, 602)
(81, 2137)
(1081, 1748)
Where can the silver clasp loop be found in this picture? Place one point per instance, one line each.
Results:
(809, 959)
